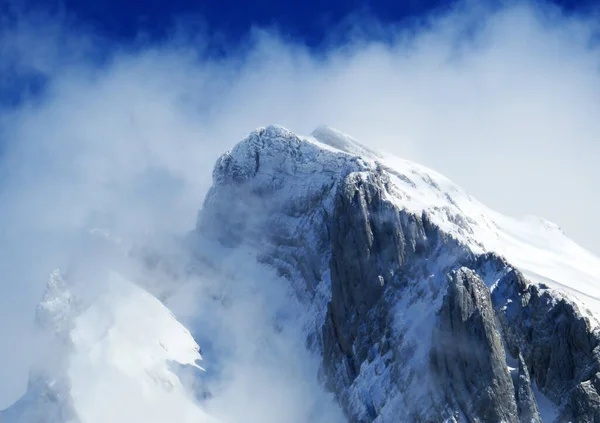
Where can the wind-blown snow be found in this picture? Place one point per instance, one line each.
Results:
(537, 247)
(123, 347)
(111, 359)
(119, 369)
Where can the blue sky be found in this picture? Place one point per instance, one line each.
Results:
(114, 112)
(229, 21)
(224, 25)
(308, 21)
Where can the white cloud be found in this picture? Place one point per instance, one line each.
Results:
(504, 102)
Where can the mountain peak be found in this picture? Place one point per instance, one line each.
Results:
(367, 240)
(273, 152)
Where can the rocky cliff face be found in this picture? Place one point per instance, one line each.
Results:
(467, 354)
(557, 342)
(417, 317)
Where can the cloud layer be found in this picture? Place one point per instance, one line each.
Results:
(503, 101)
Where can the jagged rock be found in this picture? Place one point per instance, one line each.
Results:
(367, 248)
(376, 252)
(583, 405)
(556, 341)
(526, 404)
(468, 357)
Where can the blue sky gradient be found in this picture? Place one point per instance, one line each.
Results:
(223, 27)
(309, 22)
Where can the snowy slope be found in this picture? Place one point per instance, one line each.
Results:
(537, 247)
(116, 360)
(119, 370)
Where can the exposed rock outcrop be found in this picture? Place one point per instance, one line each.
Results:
(467, 356)
(583, 404)
(554, 338)
(526, 404)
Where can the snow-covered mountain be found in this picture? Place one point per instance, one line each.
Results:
(112, 360)
(372, 277)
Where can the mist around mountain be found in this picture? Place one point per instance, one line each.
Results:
(324, 282)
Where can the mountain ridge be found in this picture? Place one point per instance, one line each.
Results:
(377, 208)
(420, 303)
